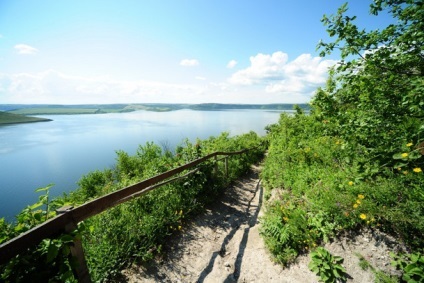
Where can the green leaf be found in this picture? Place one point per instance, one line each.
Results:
(46, 188)
(35, 205)
(326, 266)
(338, 259)
(336, 273)
(38, 216)
(325, 277)
(415, 257)
(315, 269)
(411, 269)
(340, 267)
(52, 252)
(400, 165)
(66, 238)
(43, 199)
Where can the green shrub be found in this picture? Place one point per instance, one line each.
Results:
(328, 267)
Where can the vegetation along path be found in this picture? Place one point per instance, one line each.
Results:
(224, 245)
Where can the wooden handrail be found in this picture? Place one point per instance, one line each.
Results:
(58, 225)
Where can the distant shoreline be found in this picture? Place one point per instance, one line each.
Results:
(50, 109)
(20, 113)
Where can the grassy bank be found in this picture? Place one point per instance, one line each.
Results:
(10, 118)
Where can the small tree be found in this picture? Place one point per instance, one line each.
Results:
(375, 95)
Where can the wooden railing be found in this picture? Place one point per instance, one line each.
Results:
(68, 218)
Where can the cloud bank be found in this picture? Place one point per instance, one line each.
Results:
(55, 87)
(270, 78)
(279, 75)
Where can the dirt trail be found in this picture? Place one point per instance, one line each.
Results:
(224, 245)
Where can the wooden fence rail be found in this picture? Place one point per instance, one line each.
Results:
(68, 219)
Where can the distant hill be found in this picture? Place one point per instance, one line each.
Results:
(50, 109)
(218, 106)
(10, 118)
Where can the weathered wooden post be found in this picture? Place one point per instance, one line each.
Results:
(226, 166)
(77, 258)
(81, 269)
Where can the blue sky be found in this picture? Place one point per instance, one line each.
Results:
(188, 51)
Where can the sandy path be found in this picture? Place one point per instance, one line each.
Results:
(224, 245)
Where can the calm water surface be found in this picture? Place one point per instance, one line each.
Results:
(62, 151)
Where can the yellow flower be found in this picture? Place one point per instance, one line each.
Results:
(358, 201)
(417, 170)
(405, 172)
(409, 144)
(355, 205)
(350, 183)
(363, 216)
(285, 219)
(405, 154)
(361, 196)
(179, 227)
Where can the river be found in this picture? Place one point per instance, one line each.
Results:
(34, 155)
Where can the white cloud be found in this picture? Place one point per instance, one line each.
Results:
(262, 67)
(231, 64)
(189, 62)
(200, 78)
(25, 49)
(302, 75)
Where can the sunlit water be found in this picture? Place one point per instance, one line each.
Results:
(62, 151)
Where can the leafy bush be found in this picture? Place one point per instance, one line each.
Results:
(50, 258)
